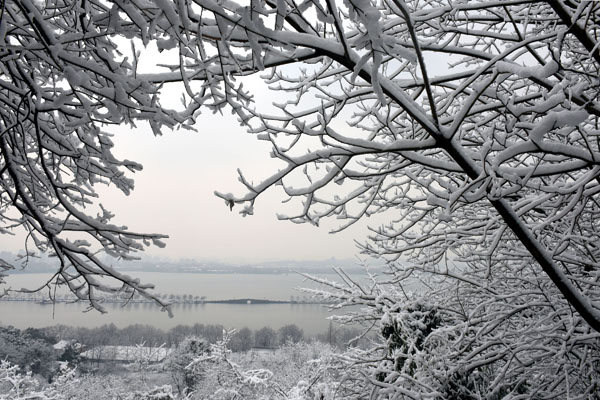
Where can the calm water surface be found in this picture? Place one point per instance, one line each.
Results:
(310, 317)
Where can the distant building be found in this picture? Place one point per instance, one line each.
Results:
(62, 345)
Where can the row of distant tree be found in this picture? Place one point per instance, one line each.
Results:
(243, 339)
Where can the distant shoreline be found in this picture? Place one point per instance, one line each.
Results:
(246, 301)
(244, 271)
(44, 264)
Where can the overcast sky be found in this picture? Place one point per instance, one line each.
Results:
(174, 195)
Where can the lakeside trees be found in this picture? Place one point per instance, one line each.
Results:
(132, 365)
(28, 352)
(486, 175)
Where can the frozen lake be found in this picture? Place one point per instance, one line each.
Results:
(310, 317)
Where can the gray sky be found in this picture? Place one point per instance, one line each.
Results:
(174, 195)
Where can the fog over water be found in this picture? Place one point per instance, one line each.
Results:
(310, 317)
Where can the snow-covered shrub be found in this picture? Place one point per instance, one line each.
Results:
(295, 370)
(219, 377)
(29, 353)
(159, 393)
(178, 363)
(14, 385)
(406, 331)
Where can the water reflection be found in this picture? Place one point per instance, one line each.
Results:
(310, 317)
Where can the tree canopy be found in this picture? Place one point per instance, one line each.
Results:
(471, 127)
